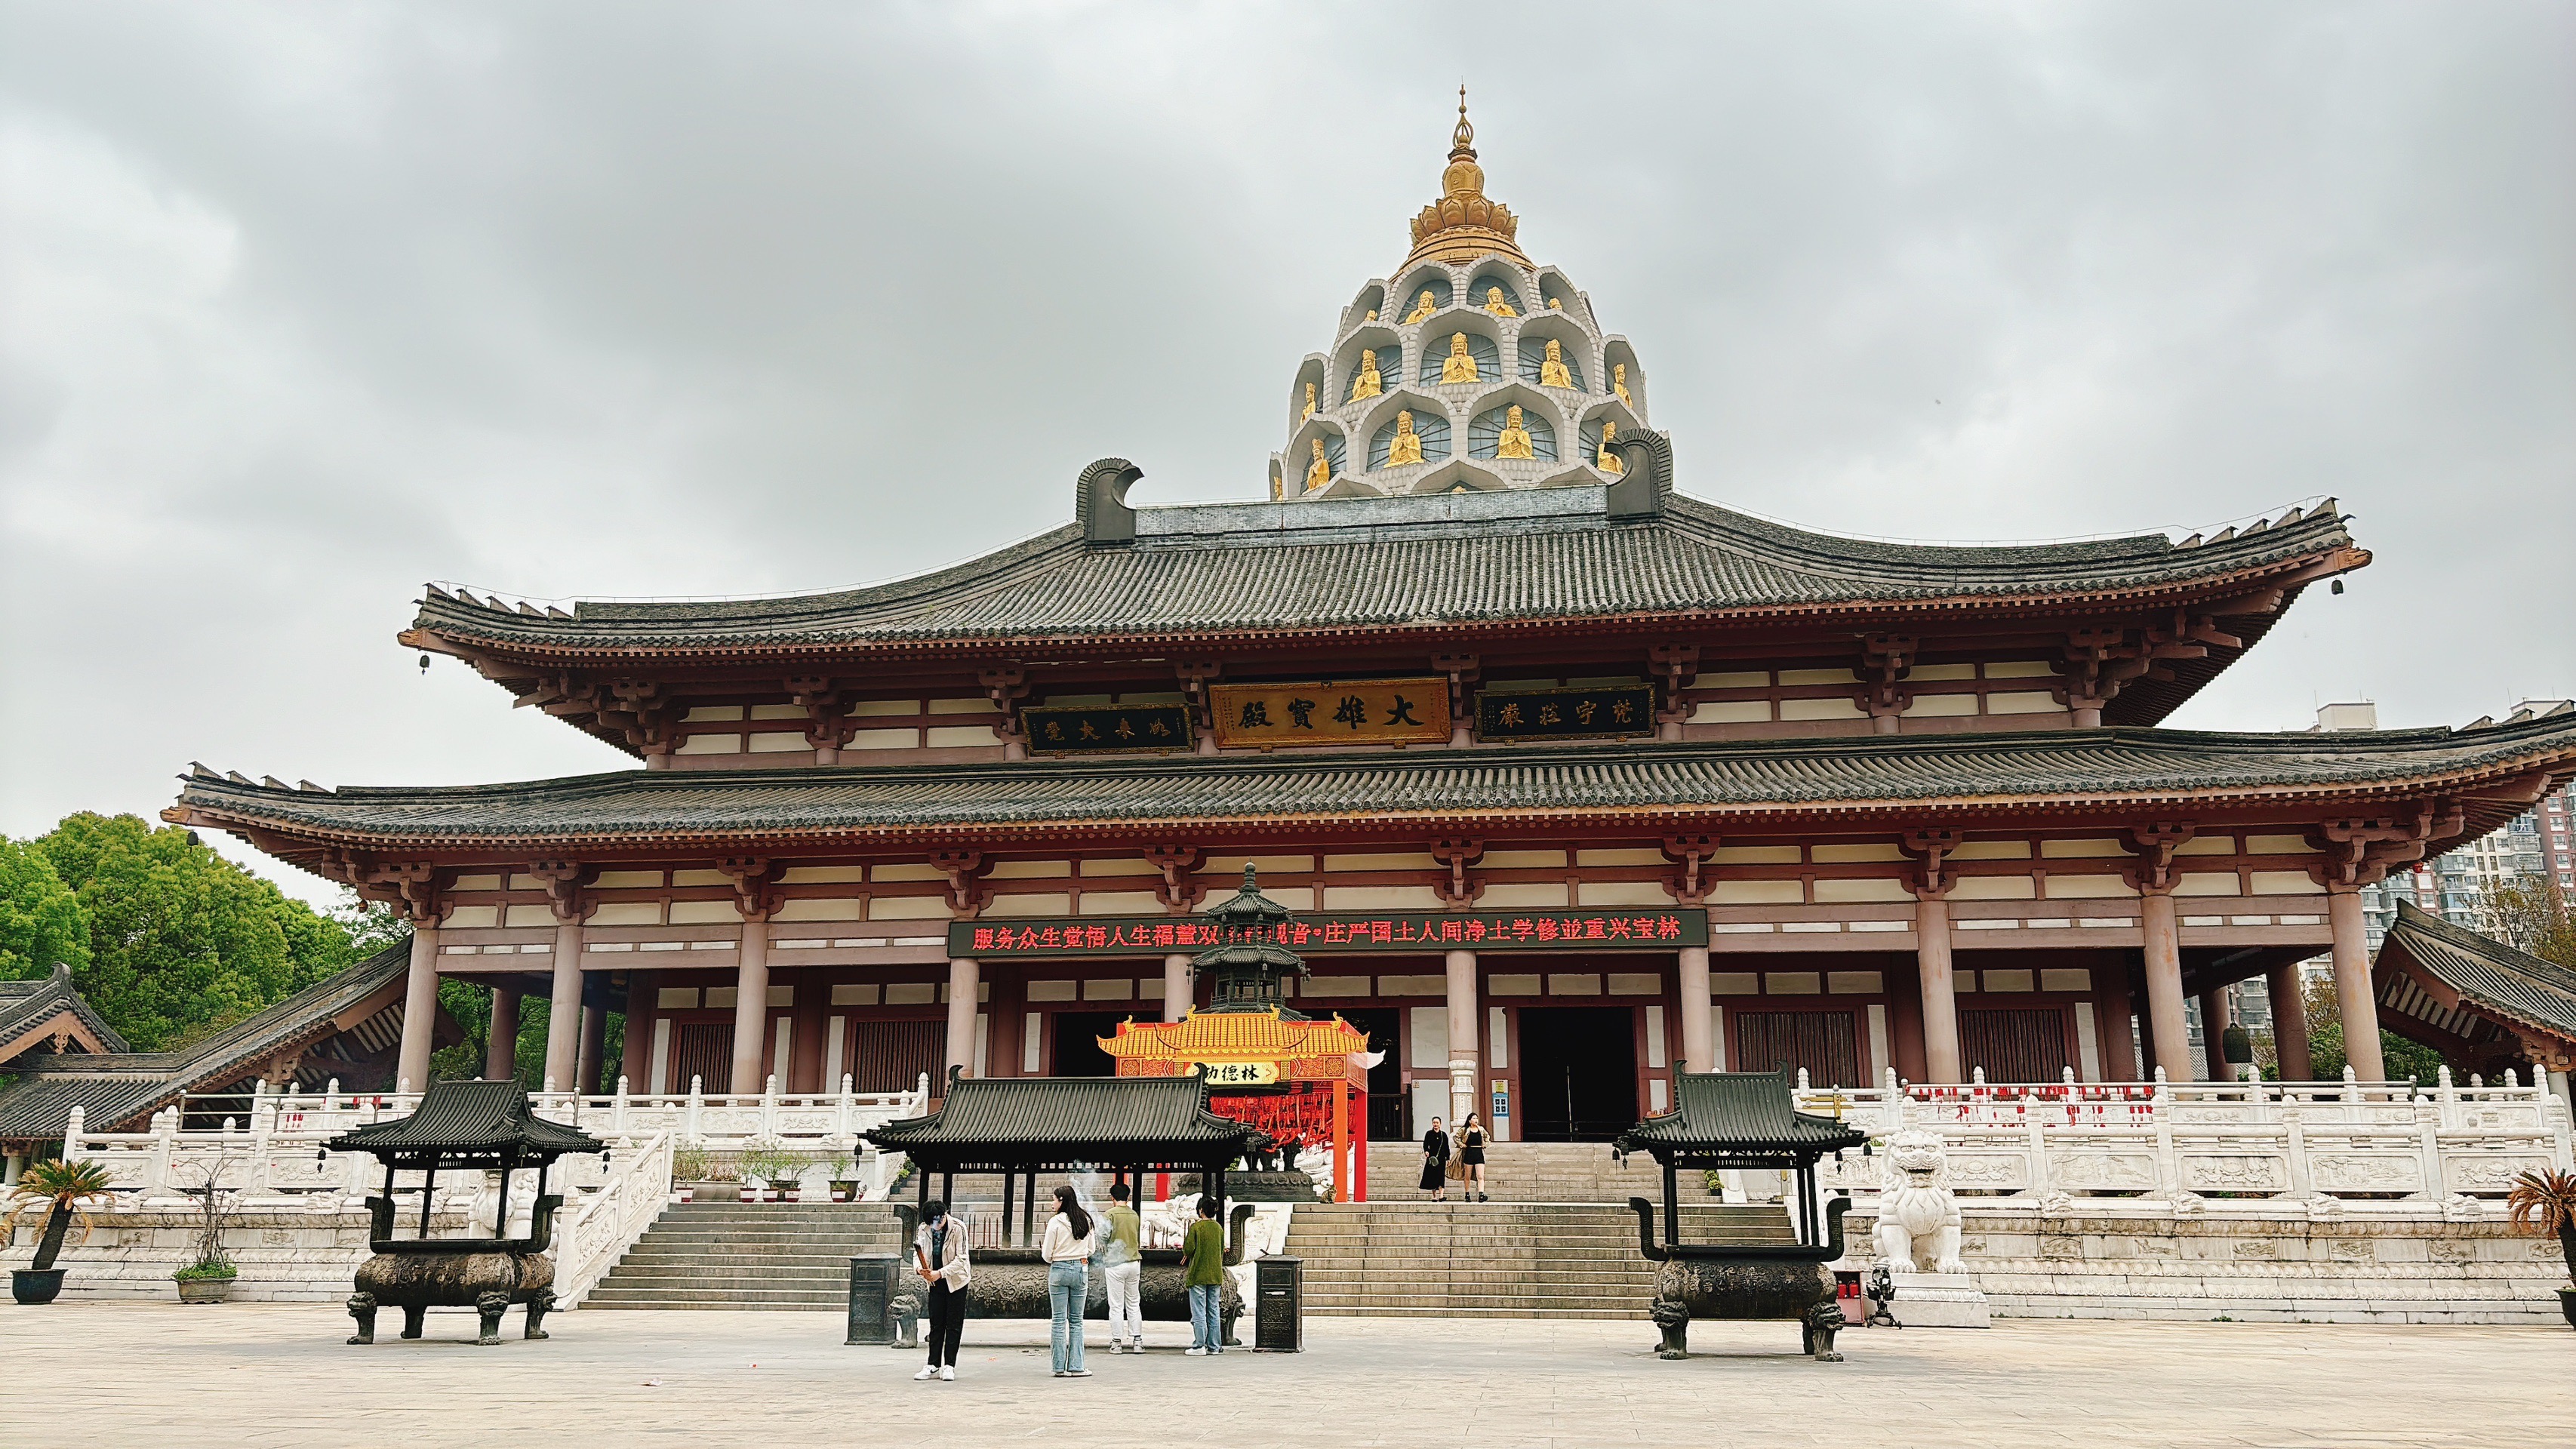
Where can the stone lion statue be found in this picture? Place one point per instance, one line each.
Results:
(1918, 1217)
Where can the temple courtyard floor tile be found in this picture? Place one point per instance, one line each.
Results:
(280, 1374)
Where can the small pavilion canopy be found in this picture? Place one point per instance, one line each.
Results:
(1028, 1125)
(474, 1125)
(2472, 997)
(1740, 1120)
(469, 1124)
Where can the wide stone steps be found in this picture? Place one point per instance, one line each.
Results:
(777, 1256)
(1497, 1260)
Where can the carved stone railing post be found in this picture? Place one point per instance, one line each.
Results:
(689, 1116)
(769, 1105)
(2428, 1131)
(617, 1108)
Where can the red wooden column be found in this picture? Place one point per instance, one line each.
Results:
(2169, 1029)
(965, 986)
(2352, 984)
(2217, 1009)
(2290, 1023)
(1341, 1140)
(420, 1007)
(1940, 994)
(501, 1037)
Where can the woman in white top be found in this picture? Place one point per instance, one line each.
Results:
(1067, 1250)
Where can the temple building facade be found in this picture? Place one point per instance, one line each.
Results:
(1572, 779)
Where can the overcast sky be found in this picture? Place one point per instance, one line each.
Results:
(303, 305)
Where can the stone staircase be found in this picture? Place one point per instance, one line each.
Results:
(1524, 1172)
(1499, 1259)
(786, 1256)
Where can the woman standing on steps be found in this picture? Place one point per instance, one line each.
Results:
(1435, 1162)
(1471, 1155)
(1067, 1250)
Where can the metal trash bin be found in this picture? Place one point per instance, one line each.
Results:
(1279, 1305)
(872, 1289)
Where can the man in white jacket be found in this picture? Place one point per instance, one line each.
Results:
(939, 1259)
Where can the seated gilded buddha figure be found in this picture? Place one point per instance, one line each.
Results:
(1422, 308)
(1458, 366)
(1310, 403)
(1495, 304)
(1319, 472)
(1515, 442)
(1619, 383)
(1365, 382)
(1606, 460)
(1407, 444)
(1551, 370)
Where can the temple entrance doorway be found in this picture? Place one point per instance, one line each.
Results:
(1077, 1042)
(2015, 1044)
(702, 1050)
(1578, 1073)
(1386, 1104)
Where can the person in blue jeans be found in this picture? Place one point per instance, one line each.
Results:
(1067, 1250)
(1203, 1270)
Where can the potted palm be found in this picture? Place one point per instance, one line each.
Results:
(61, 1188)
(2545, 1202)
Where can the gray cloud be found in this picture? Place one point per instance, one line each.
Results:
(306, 305)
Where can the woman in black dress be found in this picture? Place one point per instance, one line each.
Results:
(1471, 1155)
(1435, 1162)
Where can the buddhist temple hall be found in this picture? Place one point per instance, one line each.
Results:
(1572, 777)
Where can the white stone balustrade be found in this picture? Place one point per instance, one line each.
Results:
(277, 1157)
(2314, 1149)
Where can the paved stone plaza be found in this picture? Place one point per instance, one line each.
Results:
(278, 1374)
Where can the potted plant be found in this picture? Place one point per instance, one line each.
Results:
(762, 1163)
(688, 1168)
(208, 1278)
(2545, 1202)
(60, 1187)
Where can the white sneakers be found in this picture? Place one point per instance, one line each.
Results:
(948, 1373)
(927, 1372)
(1194, 1352)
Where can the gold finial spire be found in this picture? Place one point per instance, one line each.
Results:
(1464, 223)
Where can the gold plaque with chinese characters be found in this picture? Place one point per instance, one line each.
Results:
(1363, 712)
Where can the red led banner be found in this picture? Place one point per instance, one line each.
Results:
(1330, 933)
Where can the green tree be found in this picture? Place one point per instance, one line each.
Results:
(41, 921)
(2534, 916)
(2405, 1058)
(182, 941)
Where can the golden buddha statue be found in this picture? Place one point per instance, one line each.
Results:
(1551, 371)
(1319, 472)
(1606, 460)
(1458, 366)
(1366, 382)
(1619, 382)
(1422, 308)
(1407, 445)
(1371, 317)
(1515, 442)
(1310, 403)
(1495, 304)
(1555, 304)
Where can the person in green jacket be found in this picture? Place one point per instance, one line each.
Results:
(1203, 1269)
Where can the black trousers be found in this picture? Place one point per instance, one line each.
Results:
(944, 1319)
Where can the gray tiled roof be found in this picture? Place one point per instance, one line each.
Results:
(1954, 775)
(2487, 973)
(1371, 564)
(117, 1092)
(25, 1003)
(1087, 1118)
(1723, 1112)
(469, 1117)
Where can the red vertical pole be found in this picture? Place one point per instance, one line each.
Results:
(1360, 1194)
(1341, 1141)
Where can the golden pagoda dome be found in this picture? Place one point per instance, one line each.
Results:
(1464, 224)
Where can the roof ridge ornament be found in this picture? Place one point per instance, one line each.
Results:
(1464, 224)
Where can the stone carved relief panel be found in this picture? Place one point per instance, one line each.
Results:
(2104, 1172)
(2355, 1172)
(2235, 1174)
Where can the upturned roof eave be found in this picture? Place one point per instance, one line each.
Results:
(448, 628)
(221, 805)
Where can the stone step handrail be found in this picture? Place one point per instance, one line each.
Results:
(593, 1234)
